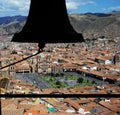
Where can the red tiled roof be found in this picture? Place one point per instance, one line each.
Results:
(13, 112)
(110, 106)
(104, 58)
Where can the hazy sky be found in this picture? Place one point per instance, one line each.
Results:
(21, 7)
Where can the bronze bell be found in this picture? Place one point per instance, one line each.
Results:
(47, 22)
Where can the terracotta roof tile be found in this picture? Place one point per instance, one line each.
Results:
(42, 108)
(13, 112)
(110, 106)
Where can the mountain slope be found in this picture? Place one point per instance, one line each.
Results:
(91, 25)
(9, 19)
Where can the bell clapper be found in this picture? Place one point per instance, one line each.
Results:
(40, 50)
(40, 47)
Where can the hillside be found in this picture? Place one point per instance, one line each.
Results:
(96, 25)
(91, 25)
(9, 19)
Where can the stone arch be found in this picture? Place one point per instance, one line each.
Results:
(4, 82)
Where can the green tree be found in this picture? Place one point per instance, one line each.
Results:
(14, 52)
(93, 82)
(80, 80)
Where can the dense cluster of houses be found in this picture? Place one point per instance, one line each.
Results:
(99, 59)
(61, 105)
